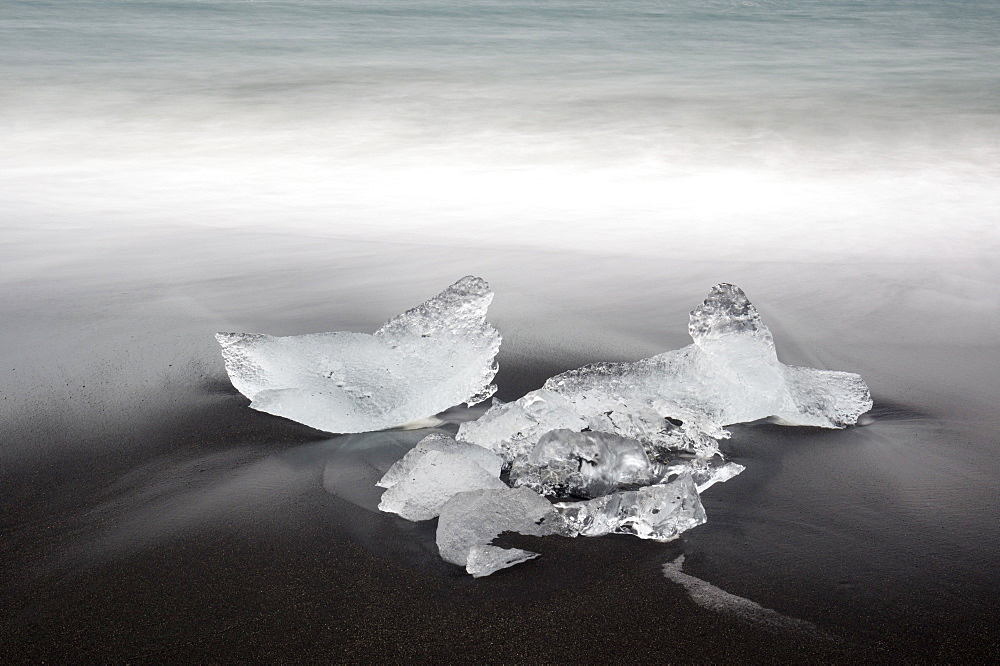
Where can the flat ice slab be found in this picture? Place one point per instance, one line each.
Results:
(418, 364)
(680, 400)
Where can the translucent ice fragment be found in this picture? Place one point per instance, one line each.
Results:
(704, 474)
(659, 512)
(682, 399)
(419, 363)
(584, 464)
(475, 518)
(824, 398)
(484, 560)
(434, 479)
(486, 459)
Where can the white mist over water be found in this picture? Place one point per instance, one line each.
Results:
(819, 130)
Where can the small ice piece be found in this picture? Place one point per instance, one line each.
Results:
(419, 363)
(584, 464)
(659, 512)
(435, 478)
(477, 517)
(705, 475)
(716, 599)
(439, 442)
(484, 560)
(680, 400)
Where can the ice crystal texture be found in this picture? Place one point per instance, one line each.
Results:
(584, 464)
(436, 478)
(659, 512)
(419, 363)
(486, 459)
(471, 520)
(680, 400)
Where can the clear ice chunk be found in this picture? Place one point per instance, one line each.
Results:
(584, 464)
(471, 520)
(484, 560)
(659, 512)
(435, 478)
(418, 364)
(680, 400)
(486, 459)
(705, 475)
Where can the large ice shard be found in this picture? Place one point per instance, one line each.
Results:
(485, 458)
(680, 400)
(659, 512)
(434, 479)
(584, 464)
(419, 363)
(470, 521)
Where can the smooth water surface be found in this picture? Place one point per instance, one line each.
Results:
(800, 128)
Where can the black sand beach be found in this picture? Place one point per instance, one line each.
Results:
(149, 515)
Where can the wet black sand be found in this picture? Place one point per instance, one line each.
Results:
(149, 515)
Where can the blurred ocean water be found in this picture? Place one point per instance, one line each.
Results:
(781, 128)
